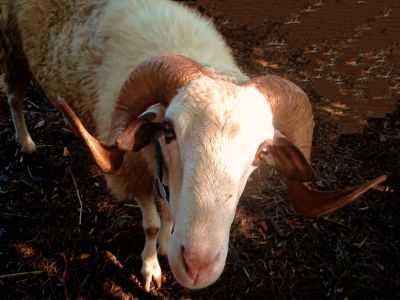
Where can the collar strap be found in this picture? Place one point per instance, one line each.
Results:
(161, 190)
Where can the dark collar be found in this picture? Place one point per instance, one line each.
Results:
(161, 190)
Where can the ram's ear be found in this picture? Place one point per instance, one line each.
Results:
(286, 158)
(147, 128)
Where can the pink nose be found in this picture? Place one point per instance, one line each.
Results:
(198, 266)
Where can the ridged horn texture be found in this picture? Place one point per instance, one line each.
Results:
(291, 110)
(292, 115)
(154, 81)
(108, 158)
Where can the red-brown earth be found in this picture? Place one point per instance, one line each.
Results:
(345, 55)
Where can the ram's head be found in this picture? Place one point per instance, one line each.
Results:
(213, 134)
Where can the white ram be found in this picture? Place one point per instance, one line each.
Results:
(112, 60)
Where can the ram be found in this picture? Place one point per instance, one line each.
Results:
(141, 71)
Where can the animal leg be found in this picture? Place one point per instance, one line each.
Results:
(15, 101)
(166, 228)
(151, 224)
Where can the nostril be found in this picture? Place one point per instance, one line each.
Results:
(198, 264)
(190, 267)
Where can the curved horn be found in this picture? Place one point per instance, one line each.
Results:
(156, 80)
(313, 203)
(290, 108)
(292, 116)
(108, 158)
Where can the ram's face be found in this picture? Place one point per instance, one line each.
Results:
(212, 137)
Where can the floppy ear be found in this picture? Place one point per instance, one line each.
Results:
(147, 128)
(286, 158)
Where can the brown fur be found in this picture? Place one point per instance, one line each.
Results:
(134, 179)
(152, 232)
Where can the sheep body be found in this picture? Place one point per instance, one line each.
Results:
(84, 50)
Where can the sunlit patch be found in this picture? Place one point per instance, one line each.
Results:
(268, 64)
(117, 291)
(33, 259)
(114, 289)
(258, 51)
(336, 109)
(245, 224)
(111, 257)
(352, 62)
(25, 250)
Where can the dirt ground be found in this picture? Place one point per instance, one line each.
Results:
(345, 55)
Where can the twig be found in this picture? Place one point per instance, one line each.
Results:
(131, 205)
(31, 186)
(77, 194)
(247, 274)
(6, 276)
(44, 146)
(64, 276)
(17, 215)
(31, 103)
(276, 227)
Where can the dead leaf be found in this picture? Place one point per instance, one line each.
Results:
(39, 124)
(264, 226)
(84, 256)
(66, 152)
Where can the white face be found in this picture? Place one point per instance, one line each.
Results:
(218, 130)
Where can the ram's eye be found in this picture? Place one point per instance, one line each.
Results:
(264, 152)
(169, 132)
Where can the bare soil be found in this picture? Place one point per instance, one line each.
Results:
(345, 55)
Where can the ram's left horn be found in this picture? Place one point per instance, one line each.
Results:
(313, 203)
(107, 158)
